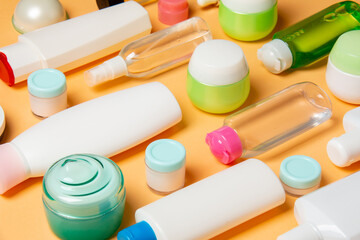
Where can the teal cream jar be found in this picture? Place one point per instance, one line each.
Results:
(218, 77)
(84, 197)
(248, 20)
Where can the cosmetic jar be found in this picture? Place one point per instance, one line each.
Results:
(171, 12)
(47, 90)
(84, 197)
(2, 122)
(218, 76)
(300, 175)
(165, 165)
(248, 20)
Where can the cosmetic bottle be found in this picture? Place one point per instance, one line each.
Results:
(107, 3)
(270, 122)
(104, 126)
(331, 212)
(310, 39)
(72, 43)
(210, 206)
(171, 12)
(84, 197)
(153, 54)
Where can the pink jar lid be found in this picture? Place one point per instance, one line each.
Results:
(171, 12)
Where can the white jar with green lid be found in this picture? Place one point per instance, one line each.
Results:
(343, 69)
(165, 165)
(47, 90)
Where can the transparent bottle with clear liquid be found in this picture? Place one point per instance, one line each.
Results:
(270, 122)
(153, 54)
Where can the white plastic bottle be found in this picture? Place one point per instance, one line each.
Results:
(74, 42)
(104, 126)
(210, 206)
(329, 213)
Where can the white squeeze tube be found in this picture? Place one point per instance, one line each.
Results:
(211, 206)
(329, 213)
(104, 126)
(74, 42)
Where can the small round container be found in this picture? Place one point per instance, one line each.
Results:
(171, 12)
(218, 76)
(343, 69)
(84, 197)
(165, 165)
(2, 122)
(47, 90)
(300, 175)
(248, 20)
(30, 15)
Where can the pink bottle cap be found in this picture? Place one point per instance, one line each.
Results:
(225, 144)
(12, 169)
(173, 11)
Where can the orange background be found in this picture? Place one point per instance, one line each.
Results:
(21, 211)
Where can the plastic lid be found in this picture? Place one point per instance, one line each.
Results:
(276, 56)
(2, 122)
(173, 11)
(218, 62)
(138, 231)
(204, 3)
(302, 232)
(46, 83)
(345, 54)
(351, 120)
(12, 168)
(83, 185)
(246, 6)
(225, 144)
(6, 71)
(300, 172)
(344, 150)
(111, 69)
(30, 15)
(165, 155)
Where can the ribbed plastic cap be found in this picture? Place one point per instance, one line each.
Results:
(276, 56)
(12, 168)
(2, 122)
(225, 144)
(46, 83)
(344, 150)
(138, 231)
(171, 12)
(6, 72)
(302, 232)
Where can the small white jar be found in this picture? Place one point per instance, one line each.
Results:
(2, 122)
(165, 165)
(47, 90)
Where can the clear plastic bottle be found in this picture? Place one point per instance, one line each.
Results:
(310, 39)
(270, 122)
(154, 54)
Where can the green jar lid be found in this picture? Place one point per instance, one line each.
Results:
(300, 172)
(345, 54)
(46, 83)
(83, 185)
(165, 155)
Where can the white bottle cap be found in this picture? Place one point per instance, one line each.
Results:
(276, 56)
(111, 69)
(302, 232)
(344, 150)
(351, 120)
(204, 3)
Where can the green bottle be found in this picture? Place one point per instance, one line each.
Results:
(310, 39)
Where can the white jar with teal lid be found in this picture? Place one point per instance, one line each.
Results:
(84, 197)
(47, 90)
(218, 76)
(248, 20)
(300, 175)
(343, 69)
(165, 165)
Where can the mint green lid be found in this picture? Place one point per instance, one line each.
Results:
(46, 83)
(83, 185)
(165, 155)
(345, 54)
(300, 172)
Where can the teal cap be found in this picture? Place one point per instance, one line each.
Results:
(345, 54)
(83, 185)
(300, 172)
(46, 83)
(165, 155)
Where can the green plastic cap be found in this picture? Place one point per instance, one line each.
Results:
(345, 54)
(46, 83)
(300, 172)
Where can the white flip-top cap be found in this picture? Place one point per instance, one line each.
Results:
(344, 150)
(246, 6)
(2, 121)
(302, 232)
(351, 120)
(276, 56)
